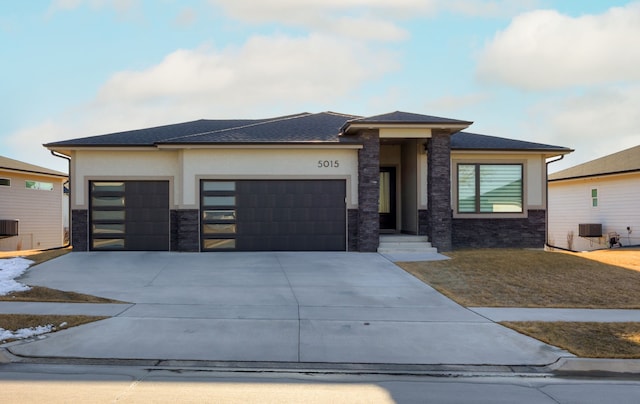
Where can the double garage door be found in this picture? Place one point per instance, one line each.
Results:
(246, 215)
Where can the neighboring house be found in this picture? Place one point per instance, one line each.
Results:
(324, 181)
(31, 206)
(603, 192)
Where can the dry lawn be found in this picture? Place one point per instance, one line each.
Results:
(605, 279)
(37, 256)
(42, 294)
(626, 258)
(14, 322)
(532, 278)
(587, 340)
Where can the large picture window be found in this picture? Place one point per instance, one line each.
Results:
(490, 188)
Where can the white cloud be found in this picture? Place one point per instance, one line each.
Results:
(186, 17)
(596, 123)
(266, 76)
(264, 70)
(360, 19)
(485, 8)
(545, 49)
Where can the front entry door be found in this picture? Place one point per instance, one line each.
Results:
(387, 201)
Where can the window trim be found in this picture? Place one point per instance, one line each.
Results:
(494, 215)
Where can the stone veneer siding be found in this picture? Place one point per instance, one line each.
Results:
(423, 222)
(352, 230)
(185, 230)
(439, 214)
(368, 191)
(80, 229)
(526, 232)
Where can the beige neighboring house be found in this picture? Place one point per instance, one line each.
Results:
(591, 203)
(31, 206)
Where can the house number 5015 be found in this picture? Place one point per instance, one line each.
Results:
(328, 163)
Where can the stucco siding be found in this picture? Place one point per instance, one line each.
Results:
(110, 165)
(269, 164)
(39, 212)
(570, 204)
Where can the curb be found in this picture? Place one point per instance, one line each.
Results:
(584, 366)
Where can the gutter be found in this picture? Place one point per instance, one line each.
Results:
(546, 211)
(56, 154)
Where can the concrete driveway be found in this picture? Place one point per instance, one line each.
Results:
(275, 307)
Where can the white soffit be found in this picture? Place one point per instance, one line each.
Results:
(405, 133)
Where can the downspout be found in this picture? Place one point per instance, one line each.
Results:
(546, 212)
(56, 154)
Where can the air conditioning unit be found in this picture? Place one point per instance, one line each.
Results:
(8, 228)
(590, 230)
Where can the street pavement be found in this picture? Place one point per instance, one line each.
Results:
(30, 383)
(306, 308)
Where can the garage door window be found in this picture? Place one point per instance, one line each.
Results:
(107, 215)
(218, 207)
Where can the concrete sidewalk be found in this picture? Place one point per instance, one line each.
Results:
(352, 308)
(495, 314)
(572, 315)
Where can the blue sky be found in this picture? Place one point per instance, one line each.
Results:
(563, 72)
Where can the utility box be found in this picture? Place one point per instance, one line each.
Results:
(8, 228)
(590, 230)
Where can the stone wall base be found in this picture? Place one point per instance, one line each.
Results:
(80, 229)
(185, 230)
(352, 230)
(527, 232)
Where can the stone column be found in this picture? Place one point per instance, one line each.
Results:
(439, 190)
(185, 234)
(80, 229)
(368, 191)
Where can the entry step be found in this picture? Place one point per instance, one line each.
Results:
(404, 243)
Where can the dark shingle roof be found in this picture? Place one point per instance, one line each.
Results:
(324, 127)
(151, 136)
(474, 141)
(624, 161)
(407, 117)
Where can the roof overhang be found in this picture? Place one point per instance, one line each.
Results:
(280, 145)
(400, 126)
(546, 153)
(68, 150)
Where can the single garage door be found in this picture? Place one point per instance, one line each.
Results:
(270, 215)
(130, 215)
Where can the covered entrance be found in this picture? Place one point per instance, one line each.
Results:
(402, 184)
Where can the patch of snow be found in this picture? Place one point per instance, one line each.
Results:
(25, 332)
(9, 270)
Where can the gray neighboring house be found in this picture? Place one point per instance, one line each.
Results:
(592, 202)
(309, 181)
(32, 206)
